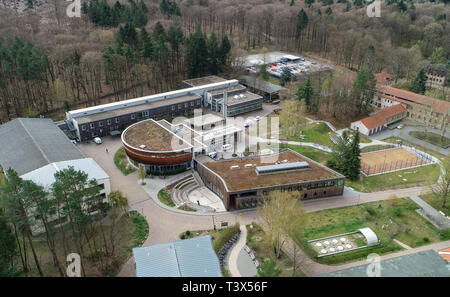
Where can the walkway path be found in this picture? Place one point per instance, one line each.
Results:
(432, 215)
(234, 253)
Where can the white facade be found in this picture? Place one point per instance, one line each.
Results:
(358, 125)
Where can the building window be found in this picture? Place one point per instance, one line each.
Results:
(186, 105)
(179, 106)
(83, 128)
(133, 116)
(108, 122)
(192, 103)
(100, 124)
(91, 125)
(173, 107)
(117, 120)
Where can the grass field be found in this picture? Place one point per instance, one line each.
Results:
(362, 138)
(256, 242)
(388, 219)
(432, 138)
(120, 159)
(316, 133)
(375, 147)
(165, 197)
(420, 176)
(310, 152)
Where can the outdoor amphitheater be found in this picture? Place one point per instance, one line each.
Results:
(393, 159)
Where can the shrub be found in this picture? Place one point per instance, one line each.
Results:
(397, 211)
(371, 211)
(426, 239)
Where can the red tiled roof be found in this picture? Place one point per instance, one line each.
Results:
(383, 77)
(406, 97)
(445, 256)
(381, 117)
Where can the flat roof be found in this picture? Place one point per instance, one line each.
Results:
(260, 84)
(136, 108)
(227, 89)
(154, 136)
(45, 176)
(248, 96)
(204, 119)
(247, 178)
(195, 82)
(194, 257)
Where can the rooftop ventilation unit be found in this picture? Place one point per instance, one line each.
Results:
(142, 146)
(248, 165)
(234, 167)
(285, 167)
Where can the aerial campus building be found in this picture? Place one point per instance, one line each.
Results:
(36, 149)
(246, 182)
(214, 93)
(164, 148)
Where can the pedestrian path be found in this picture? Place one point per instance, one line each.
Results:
(234, 254)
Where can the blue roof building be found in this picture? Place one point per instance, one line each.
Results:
(193, 257)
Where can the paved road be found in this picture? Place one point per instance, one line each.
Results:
(166, 225)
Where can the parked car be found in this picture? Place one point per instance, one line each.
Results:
(74, 142)
(247, 124)
(212, 155)
(226, 147)
(98, 140)
(257, 118)
(400, 126)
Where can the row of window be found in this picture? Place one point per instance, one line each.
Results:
(144, 114)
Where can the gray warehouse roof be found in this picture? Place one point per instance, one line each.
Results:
(193, 257)
(421, 264)
(27, 144)
(261, 85)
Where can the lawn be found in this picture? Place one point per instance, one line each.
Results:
(316, 133)
(165, 196)
(120, 159)
(310, 152)
(255, 241)
(432, 138)
(375, 147)
(419, 176)
(388, 219)
(436, 202)
(219, 236)
(362, 138)
(398, 140)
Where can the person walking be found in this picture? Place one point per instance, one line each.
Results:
(106, 150)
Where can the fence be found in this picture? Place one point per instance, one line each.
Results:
(421, 159)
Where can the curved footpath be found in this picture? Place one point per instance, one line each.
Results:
(165, 224)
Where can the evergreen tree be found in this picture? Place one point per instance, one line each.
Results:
(292, 3)
(302, 22)
(225, 48)
(145, 44)
(309, 2)
(263, 72)
(196, 54)
(8, 249)
(355, 163)
(127, 35)
(419, 84)
(306, 92)
(285, 76)
(213, 54)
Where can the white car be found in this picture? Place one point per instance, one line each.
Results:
(98, 140)
(247, 124)
(226, 147)
(400, 126)
(257, 118)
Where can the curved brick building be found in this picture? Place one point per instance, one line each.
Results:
(161, 147)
